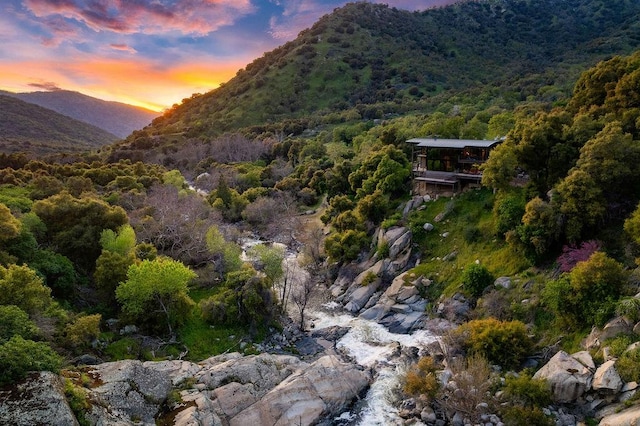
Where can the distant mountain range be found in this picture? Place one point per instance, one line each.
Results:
(369, 61)
(114, 117)
(26, 127)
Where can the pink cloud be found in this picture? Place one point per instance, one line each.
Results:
(122, 47)
(197, 17)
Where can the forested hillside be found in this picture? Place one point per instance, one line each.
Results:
(368, 61)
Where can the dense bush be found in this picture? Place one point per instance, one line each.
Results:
(14, 321)
(19, 356)
(628, 366)
(476, 278)
(588, 294)
(508, 210)
(525, 390)
(502, 342)
(530, 416)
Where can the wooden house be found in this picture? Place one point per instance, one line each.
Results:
(448, 164)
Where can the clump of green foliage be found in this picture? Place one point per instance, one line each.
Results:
(526, 397)
(476, 278)
(588, 294)
(19, 356)
(628, 365)
(504, 343)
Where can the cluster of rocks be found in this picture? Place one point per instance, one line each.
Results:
(379, 289)
(228, 389)
(589, 390)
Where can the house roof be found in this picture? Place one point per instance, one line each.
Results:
(453, 143)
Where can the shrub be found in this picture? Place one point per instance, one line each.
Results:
(508, 211)
(421, 379)
(19, 356)
(628, 366)
(530, 416)
(83, 330)
(369, 278)
(476, 278)
(78, 401)
(629, 308)
(501, 342)
(588, 294)
(14, 321)
(525, 390)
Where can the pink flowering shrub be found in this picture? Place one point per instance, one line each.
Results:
(571, 255)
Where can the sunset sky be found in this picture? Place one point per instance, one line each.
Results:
(150, 53)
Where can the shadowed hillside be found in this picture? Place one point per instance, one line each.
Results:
(114, 117)
(28, 127)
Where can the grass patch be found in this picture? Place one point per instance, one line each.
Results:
(464, 235)
(204, 340)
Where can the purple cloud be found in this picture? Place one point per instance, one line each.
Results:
(199, 17)
(47, 86)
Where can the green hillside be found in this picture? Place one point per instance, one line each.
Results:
(30, 128)
(369, 61)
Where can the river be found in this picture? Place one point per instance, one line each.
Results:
(367, 343)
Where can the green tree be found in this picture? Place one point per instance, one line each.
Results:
(245, 298)
(539, 230)
(543, 149)
(9, 225)
(21, 286)
(74, 225)
(228, 253)
(581, 203)
(587, 295)
(500, 169)
(122, 242)
(157, 290)
(111, 270)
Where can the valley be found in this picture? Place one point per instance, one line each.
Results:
(265, 253)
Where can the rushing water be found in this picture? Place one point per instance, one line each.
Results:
(370, 345)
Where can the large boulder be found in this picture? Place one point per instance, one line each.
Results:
(326, 386)
(400, 245)
(606, 378)
(613, 328)
(127, 390)
(37, 400)
(569, 378)
(263, 371)
(628, 417)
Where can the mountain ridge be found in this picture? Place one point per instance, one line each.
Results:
(28, 127)
(376, 60)
(117, 118)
